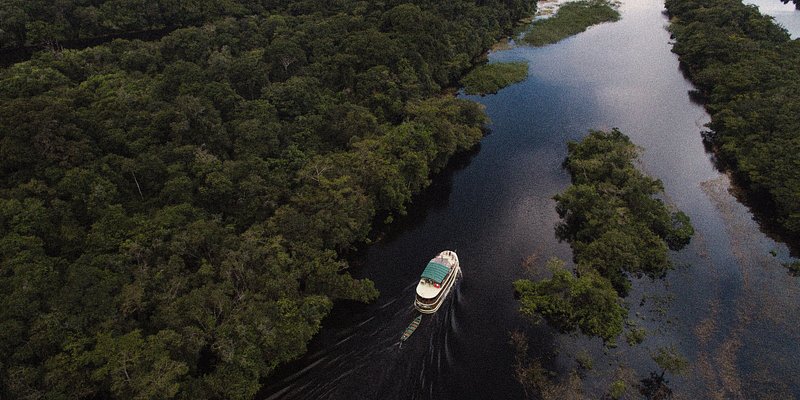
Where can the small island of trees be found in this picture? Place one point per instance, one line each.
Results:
(616, 227)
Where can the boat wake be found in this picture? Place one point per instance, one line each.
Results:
(349, 369)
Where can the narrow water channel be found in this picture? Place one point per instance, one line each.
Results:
(730, 307)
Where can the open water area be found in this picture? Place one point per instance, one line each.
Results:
(729, 307)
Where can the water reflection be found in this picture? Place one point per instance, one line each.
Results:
(730, 309)
(434, 197)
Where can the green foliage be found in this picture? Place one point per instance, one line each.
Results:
(175, 215)
(138, 368)
(537, 381)
(610, 216)
(748, 71)
(616, 228)
(634, 335)
(617, 389)
(670, 360)
(490, 78)
(680, 232)
(793, 267)
(584, 360)
(571, 18)
(587, 303)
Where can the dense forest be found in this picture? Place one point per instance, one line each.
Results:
(175, 214)
(748, 71)
(617, 229)
(36, 22)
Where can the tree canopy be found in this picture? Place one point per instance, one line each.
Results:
(175, 214)
(748, 71)
(617, 228)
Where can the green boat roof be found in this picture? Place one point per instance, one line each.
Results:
(435, 272)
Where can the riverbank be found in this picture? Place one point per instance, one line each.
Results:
(490, 78)
(752, 126)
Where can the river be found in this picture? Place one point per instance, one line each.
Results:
(729, 307)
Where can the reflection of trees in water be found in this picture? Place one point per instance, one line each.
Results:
(434, 197)
(655, 387)
(539, 382)
(670, 360)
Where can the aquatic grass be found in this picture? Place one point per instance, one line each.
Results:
(793, 267)
(490, 78)
(570, 19)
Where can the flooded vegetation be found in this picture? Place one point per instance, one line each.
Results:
(490, 78)
(571, 18)
(616, 228)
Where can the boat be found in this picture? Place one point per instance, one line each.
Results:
(411, 328)
(436, 281)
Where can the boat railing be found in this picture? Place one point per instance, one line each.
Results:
(423, 300)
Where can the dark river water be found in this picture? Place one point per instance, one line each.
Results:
(729, 307)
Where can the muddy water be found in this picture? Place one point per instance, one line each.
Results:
(729, 307)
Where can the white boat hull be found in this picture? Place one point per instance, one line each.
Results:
(430, 299)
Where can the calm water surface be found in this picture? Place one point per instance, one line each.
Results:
(730, 307)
